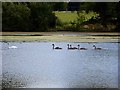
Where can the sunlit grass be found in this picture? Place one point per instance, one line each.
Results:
(66, 17)
(60, 37)
(57, 38)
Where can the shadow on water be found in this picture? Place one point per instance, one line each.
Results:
(12, 81)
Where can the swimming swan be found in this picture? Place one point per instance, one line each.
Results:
(14, 47)
(55, 47)
(81, 48)
(71, 48)
(97, 48)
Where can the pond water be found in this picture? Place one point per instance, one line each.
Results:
(37, 65)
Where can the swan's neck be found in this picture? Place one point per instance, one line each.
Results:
(68, 46)
(95, 47)
(78, 47)
(53, 46)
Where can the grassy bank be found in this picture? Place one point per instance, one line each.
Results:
(66, 17)
(60, 37)
(85, 22)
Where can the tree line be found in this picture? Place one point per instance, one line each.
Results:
(19, 16)
(39, 16)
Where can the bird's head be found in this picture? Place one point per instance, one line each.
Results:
(94, 46)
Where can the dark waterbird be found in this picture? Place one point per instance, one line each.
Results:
(71, 48)
(97, 48)
(55, 47)
(81, 48)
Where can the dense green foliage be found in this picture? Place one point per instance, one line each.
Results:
(118, 16)
(58, 6)
(73, 20)
(42, 16)
(108, 13)
(106, 10)
(15, 16)
(27, 17)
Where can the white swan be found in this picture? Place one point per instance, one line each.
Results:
(14, 47)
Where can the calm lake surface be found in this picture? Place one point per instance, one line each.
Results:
(37, 65)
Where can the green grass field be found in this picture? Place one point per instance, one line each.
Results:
(66, 17)
(71, 21)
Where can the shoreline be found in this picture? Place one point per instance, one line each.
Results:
(61, 32)
(59, 37)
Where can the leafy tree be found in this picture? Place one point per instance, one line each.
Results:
(27, 16)
(118, 16)
(15, 17)
(59, 6)
(41, 17)
(106, 10)
(73, 6)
